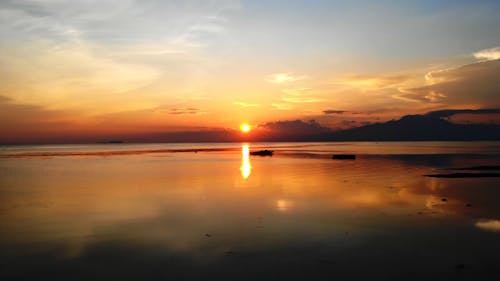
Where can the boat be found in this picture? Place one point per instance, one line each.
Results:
(264, 152)
(344, 156)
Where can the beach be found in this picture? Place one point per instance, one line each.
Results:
(212, 211)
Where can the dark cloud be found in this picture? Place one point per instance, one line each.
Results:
(295, 127)
(333, 111)
(348, 122)
(450, 112)
(355, 123)
(475, 84)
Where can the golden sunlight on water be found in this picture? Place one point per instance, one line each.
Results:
(246, 167)
(186, 213)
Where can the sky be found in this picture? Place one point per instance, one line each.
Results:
(90, 70)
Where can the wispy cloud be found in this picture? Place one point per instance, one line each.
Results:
(302, 99)
(246, 104)
(300, 95)
(137, 49)
(333, 111)
(374, 82)
(416, 95)
(451, 112)
(280, 78)
(439, 75)
(295, 127)
(475, 83)
(189, 110)
(488, 54)
(282, 106)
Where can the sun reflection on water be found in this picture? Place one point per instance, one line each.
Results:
(246, 167)
(284, 205)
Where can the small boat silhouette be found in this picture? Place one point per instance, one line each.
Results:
(262, 153)
(344, 156)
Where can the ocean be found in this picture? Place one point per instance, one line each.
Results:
(212, 211)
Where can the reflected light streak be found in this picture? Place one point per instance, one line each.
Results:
(283, 205)
(489, 225)
(246, 167)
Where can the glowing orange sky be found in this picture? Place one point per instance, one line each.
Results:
(75, 70)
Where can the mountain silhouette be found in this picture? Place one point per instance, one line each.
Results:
(428, 127)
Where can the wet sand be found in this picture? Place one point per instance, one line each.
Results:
(220, 214)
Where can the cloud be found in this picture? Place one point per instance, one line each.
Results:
(489, 225)
(279, 78)
(332, 111)
(246, 104)
(302, 99)
(106, 56)
(343, 119)
(70, 75)
(474, 84)
(488, 54)
(450, 112)
(117, 21)
(374, 82)
(179, 111)
(25, 123)
(282, 106)
(295, 128)
(300, 95)
(354, 123)
(430, 97)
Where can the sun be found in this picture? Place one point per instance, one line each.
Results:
(245, 128)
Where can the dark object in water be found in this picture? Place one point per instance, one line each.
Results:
(468, 205)
(464, 175)
(477, 168)
(444, 199)
(262, 153)
(113, 142)
(344, 156)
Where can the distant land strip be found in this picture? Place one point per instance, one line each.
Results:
(465, 175)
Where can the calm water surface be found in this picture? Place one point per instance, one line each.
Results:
(211, 211)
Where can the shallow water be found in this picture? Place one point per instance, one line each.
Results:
(192, 211)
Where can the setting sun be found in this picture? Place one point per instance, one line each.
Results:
(245, 128)
(202, 138)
